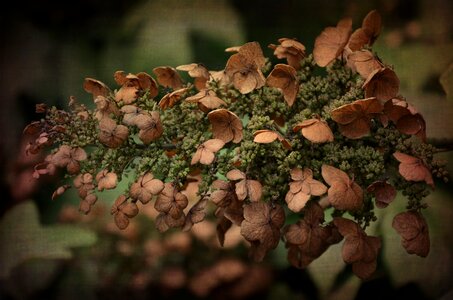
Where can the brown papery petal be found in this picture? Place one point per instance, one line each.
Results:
(330, 43)
(414, 232)
(364, 62)
(95, 87)
(264, 136)
(382, 84)
(384, 193)
(235, 175)
(372, 24)
(252, 51)
(284, 78)
(225, 125)
(315, 130)
(332, 174)
(168, 77)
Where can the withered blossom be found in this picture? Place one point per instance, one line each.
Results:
(122, 210)
(84, 184)
(87, 202)
(225, 125)
(405, 117)
(359, 249)
(196, 214)
(205, 153)
(331, 42)
(315, 130)
(302, 188)
(111, 134)
(383, 192)
(245, 187)
(197, 71)
(150, 127)
(284, 78)
(168, 77)
(308, 238)
(105, 107)
(206, 100)
(60, 191)
(291, 49)
(413, 168)
(344, 193)
(69, 157)
(261, 227)
(132, 84)
(382, 84)
(244, 68)
(266, 136)
(96, 88)
(145, 188)
(364, 62)
(368, 33)
(106, 180)
(170, 99)
(170, 201)
(414, 233)
(354, 119)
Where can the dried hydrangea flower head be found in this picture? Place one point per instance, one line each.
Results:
(266, 143)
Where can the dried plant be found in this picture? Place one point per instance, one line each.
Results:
(267, 141)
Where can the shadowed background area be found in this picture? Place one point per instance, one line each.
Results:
(49, 48)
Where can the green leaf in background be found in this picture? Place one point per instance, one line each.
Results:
(22, 238)
(446, 80)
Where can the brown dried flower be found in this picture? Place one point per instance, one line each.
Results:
(414, 232)
(111, 134)
(266, 136)
(315, 130)
(382, 84)
(150, 127)
(225, 125)
(95, 87)
(123, 211)
(261, 227)
(106, 180)
(384, 193)
(69, 157)
(168, 77)
(359, 249)
(413, 169)
(206, 100)
(131, 85)
(244, 68)
(284, 78)
(354, 119)
(331, 42)
(344, 193)
(290, 49)
(245, 187)
(206, 152)
(197, 71)
(302, 188)
(145, 188)
(84, 184)
(170, 99)
(368, 33)
(170, 201)
(364, 62)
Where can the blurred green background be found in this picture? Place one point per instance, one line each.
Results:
(48, 250)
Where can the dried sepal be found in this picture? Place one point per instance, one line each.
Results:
(413, 229)
(206, 100)
(308, 238)
(244, 68)
(302, 188)
(196, 214)
(291, 49)
(165, 221)
(197, 71)
(150, 127)
(87, 202)
(170, 201)
(266, 136)
(95, 87)
(368, 33)
(84, 184)
(405, 117)
(364, 62)
(261, 227)
(69, 158)
(354, 119)
(382, 84)
(359, 249)
(225, 125)
(205, 153)
(331, 42)
(105, 107)
(168, 77)
(344, 193)
(122, 210)
(383, 192)
(111, 134)
(132, 84)
(284, 78)
(145, 188)
(413, 168)
(315, 130)
(170, 99)
(106, 180)
(245, 187)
